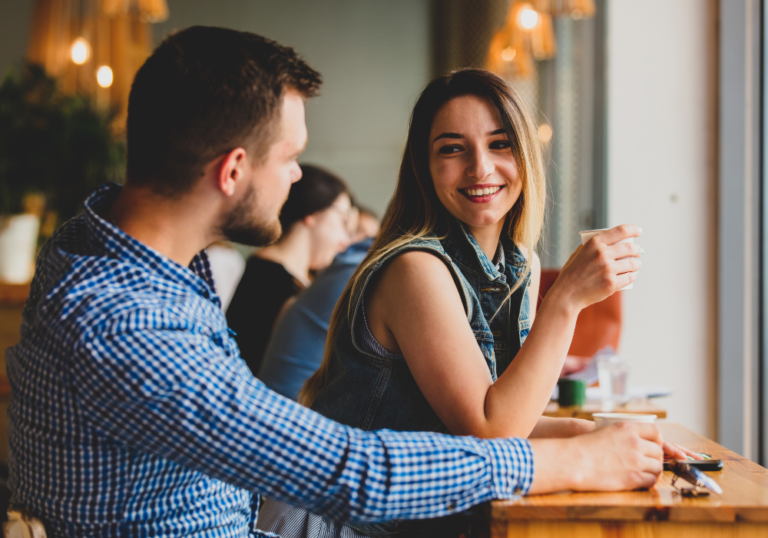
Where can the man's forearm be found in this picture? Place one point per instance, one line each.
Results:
(378, 476)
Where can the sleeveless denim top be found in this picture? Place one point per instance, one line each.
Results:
(371, 391)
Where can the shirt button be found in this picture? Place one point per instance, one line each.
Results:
(451, 506)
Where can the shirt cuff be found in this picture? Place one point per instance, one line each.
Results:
(513, 467)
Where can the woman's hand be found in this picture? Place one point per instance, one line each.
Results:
(599, 268)
(677, 452)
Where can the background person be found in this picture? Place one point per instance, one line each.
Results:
(296, 348)
(314, 220)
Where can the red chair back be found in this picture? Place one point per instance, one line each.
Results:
(597, 326)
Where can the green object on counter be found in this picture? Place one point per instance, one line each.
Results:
(572, 392)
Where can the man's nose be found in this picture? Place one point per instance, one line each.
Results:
(297, 173)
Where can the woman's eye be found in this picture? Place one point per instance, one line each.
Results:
(500, 144)
(447, 150)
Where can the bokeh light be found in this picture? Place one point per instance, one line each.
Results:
(528, 17)
(508, 54)
(104, 76)
(79, 51)
(545, 133)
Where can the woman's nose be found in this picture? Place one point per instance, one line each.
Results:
(480, 165)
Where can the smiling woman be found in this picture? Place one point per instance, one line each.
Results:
(435, 330)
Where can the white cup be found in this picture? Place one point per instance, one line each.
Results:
(589, 234)
(604, 419)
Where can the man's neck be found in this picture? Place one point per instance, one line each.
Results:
(176, 228)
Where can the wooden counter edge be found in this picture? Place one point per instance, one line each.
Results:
(498, 511)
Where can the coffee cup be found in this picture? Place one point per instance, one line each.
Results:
(586, 235)
(604, 419)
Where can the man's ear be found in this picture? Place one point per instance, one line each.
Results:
(231, 171)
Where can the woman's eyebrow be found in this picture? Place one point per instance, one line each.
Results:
(447, 135)
(459, 136)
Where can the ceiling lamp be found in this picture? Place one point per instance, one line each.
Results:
(145, 10)
(527, 34)
(575, 9)
(542, 39)
(508, 51)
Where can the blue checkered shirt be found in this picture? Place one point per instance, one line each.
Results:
(133, 414)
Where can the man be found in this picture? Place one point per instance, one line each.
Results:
(132, 412)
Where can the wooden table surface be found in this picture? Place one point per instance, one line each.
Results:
(586, 411)
(742, 509)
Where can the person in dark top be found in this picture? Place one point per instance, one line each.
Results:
(315, 228)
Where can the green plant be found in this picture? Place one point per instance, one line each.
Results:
(61, 146)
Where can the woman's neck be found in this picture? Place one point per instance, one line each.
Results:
(292, 251)
(488, 237)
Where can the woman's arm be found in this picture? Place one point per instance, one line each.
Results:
(554, 427)
(415, 308)
(550, 427)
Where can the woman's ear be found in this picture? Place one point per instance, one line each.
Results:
(310, 220)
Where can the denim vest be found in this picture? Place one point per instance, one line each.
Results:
(372, 392)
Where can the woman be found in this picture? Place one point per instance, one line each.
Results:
(435, 330)
(314, 221)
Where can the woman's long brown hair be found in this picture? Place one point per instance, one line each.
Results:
(415, 210)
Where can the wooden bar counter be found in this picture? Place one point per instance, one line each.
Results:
(740, 512)
(643, 407)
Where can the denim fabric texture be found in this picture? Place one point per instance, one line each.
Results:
(371, 391)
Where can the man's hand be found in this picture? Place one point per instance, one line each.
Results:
(618, 457)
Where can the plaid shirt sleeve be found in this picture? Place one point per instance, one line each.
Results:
(193, 401)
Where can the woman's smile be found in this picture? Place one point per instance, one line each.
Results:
(481, 193)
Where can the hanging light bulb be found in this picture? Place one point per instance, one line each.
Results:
(528, 17)
(104, 76)
(80, 51)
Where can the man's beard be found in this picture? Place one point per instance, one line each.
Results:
(240, 227)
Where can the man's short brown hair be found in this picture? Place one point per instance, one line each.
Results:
(204, 92)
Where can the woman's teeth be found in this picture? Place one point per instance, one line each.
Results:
(487, 191)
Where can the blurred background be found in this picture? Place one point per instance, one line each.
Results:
(651, 113)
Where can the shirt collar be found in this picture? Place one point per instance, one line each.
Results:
(498, 259)
(469, 250)
(111, 241)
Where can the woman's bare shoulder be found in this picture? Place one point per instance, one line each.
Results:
(414, 273)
